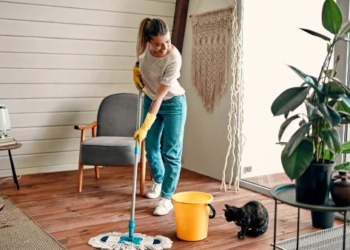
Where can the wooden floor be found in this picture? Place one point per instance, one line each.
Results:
(104, 206)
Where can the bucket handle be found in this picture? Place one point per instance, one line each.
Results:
(213, 210)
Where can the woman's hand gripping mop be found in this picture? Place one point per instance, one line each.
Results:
(131, 240)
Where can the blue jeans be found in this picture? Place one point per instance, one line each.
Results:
(170, 120)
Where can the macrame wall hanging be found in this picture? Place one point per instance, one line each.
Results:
(209, 54)
(235, 114)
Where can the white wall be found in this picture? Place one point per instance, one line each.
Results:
(205, 142)
(272, 40)
(58, 60)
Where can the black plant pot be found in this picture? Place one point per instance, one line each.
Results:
(313, 188)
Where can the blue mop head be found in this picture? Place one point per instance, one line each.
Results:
(112, 241)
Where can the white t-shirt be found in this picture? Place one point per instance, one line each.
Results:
(161, 70)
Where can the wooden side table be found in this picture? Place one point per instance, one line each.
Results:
(9, 148)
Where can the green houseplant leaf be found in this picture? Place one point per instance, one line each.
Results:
(296, 164)
(316, 34)
(343, 166)
(345, 148)
(328, 155)
(346, 100)
(327, 102)
(331, 139)
(332, 116)
(310, 81)
(285, 125)
(296, 138)
(335, 88)
(313, 112)
(289, 100)
(302, 74)
(331, 16)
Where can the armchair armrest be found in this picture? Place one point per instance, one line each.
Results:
(92, 126)
(87, 127)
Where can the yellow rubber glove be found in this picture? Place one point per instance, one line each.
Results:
(137, 77)
(147, 123)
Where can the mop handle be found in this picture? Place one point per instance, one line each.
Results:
(137, 152)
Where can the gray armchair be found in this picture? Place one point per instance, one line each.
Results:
(112, 144)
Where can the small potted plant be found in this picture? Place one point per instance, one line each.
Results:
(308, 157)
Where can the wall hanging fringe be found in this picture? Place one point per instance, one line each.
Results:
(209, 54)
(235, 114)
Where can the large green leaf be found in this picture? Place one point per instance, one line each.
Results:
(331, 139)
(335, 88)
(343, 166)
(345, 148)
(346, 89)
(332, 116)
(289, 100)
(285, 125)
(343, 110)
(296, 138)
(331, 16)
(316, 34)
(296, 164)
(313, 112)
(328, 155)
(345, 28)
(309, 108)
(286, 114)
(346, 101)
(303, 75)
(310, 81)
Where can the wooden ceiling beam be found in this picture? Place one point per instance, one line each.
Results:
(179, 25)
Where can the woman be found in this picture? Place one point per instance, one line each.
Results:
(164, 109)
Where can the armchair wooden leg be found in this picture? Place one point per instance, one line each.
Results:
(97, 172)
(80, 177)
(143, 169)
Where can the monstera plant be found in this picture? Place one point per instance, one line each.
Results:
(327, 102)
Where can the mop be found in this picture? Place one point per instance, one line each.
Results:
(131, 240)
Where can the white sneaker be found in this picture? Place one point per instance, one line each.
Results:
(163, 207)
(155, 190)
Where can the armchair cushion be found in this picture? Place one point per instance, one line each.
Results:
(108, 151)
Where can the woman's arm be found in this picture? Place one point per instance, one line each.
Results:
(161, 93)
(152, 113)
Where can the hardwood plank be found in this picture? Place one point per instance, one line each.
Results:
(104, 206)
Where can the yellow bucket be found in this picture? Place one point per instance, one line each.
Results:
(192, 215)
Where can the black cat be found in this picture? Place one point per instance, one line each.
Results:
(253, 218)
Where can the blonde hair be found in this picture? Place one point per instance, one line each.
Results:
(148, 29)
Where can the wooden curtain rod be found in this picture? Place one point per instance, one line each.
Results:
(229, 7)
